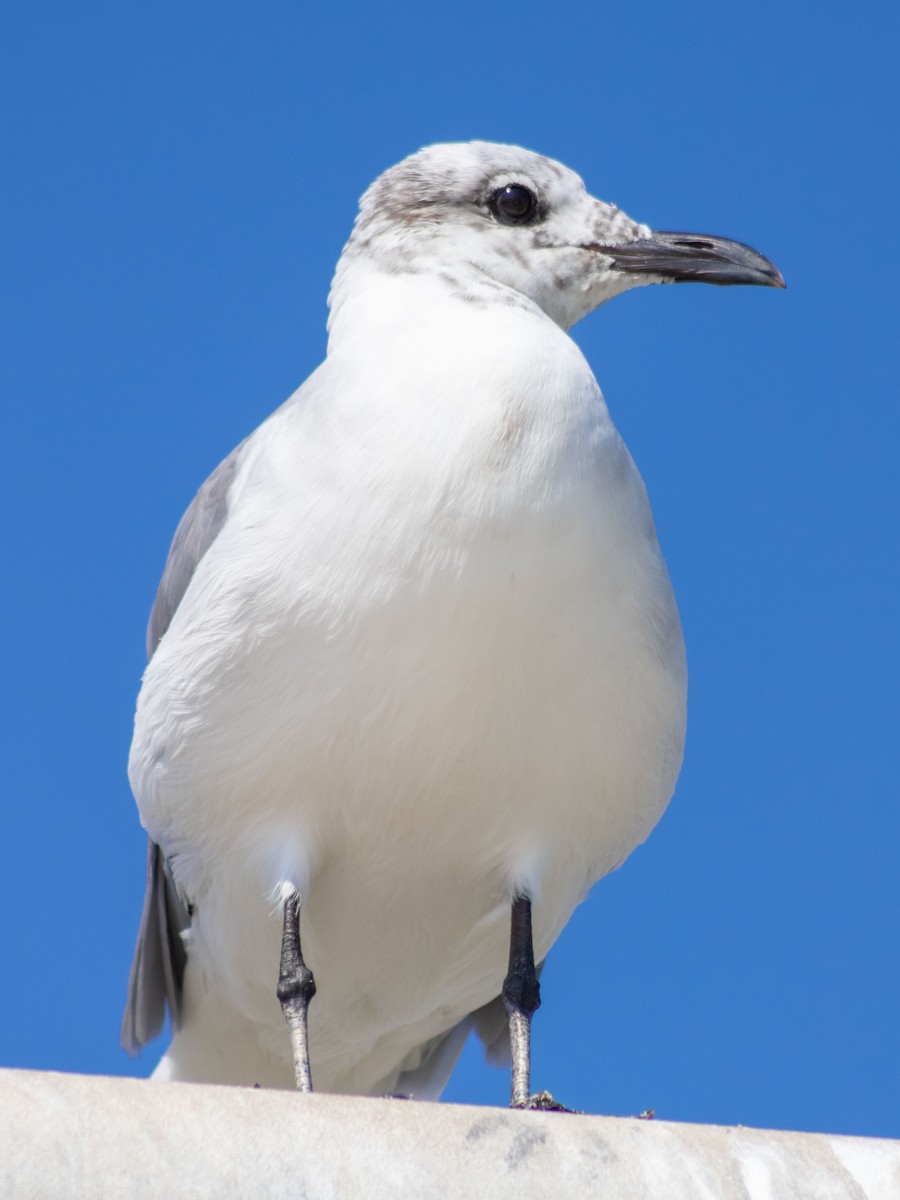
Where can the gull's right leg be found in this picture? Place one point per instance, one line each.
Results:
(296, 987)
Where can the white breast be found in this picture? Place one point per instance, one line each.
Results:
(432, 658)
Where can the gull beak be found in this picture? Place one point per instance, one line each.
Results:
(693, 258)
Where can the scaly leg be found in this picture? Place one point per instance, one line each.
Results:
(296, 987)
(522, 997)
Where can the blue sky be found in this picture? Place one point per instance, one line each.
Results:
(179, 183)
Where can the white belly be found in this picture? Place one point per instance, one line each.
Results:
(410, 737)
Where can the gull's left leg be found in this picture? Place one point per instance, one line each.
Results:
(522, 998)
(296, 987)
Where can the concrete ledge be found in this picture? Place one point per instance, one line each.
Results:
(95, 1138)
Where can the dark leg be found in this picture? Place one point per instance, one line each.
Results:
(296, 987)
(522, 997)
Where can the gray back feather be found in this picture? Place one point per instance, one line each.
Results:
(196, 532)
(157, 969)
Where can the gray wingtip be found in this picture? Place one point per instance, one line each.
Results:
(157, 969)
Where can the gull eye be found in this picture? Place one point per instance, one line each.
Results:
(514, 204)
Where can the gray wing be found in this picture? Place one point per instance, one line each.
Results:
(196, 532)
(157, 969)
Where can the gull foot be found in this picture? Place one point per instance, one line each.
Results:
(544, 1102)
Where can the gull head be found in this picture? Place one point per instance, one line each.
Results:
(499, 222)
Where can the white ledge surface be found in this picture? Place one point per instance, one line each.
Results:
(95, 1138)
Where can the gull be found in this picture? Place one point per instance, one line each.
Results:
(416, 673)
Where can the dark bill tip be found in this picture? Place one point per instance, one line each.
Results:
(694, 258)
